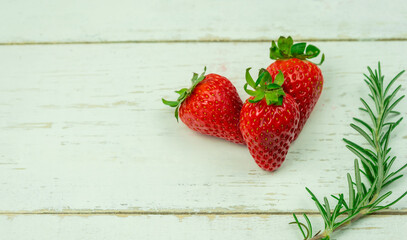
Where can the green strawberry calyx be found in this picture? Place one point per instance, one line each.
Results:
(185, 92)
(265, 87)
(286, 49)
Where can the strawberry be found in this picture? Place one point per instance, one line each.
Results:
(211, 106)
(303, 79)
(268, 120)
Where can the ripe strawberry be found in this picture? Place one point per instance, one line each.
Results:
(268, 120)
(211, 106)
(303, 79)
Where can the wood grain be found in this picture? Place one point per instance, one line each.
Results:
(48, 21)
(240, 227)
(83, 128)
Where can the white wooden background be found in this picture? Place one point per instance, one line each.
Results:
(88, 151)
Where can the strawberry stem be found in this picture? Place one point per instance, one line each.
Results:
(185, 92)
(265, 87)
(286, 49)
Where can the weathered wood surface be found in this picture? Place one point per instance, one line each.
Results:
(88, 151)
(155, 20)
(83, 129)
(175, 227)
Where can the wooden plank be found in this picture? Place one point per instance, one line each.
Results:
(100, 227)
(83, 128)
(211, 20)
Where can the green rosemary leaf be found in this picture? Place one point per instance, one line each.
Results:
(347, 211)
(370, 112)
(375, 81)
(358, 179)
(363, 185)
(394, 173)
(393, 105)
(380, 199)
(335, 197)
(379, 70)
(376, 103)
(364, 173)
(389, 205)
(368, 165)
(385, 144)
(395, 112)
(364, 134)
(371, 85)
(366, 152)
(374, 92)
(337, 209)
(364, 124)
(392, 180)
(377, 78)
(397, 123)
(374, 99)
(387, 152)
(350, 217)
(383, 137)
(391, 96)
(388, 124)
(392, 81)
(309, 225)
(351, 191)
(389, 164)
(362, 109)
(369, 162)
(341, 195)
(327, 209)
(320, 208)
(299, 226)
(368, 196)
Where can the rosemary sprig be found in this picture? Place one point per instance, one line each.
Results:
(365, 196)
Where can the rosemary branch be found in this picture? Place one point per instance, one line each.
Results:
(365, 196)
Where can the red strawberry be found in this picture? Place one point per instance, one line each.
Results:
(211, 106)
(268, 120)
(303, 79)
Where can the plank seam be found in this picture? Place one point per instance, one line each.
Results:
(90, 213)
(202, 41)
